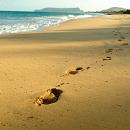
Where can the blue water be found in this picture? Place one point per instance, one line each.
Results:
(14, 21)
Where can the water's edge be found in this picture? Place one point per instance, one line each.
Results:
(21, 22)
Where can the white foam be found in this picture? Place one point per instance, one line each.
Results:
(83, 16)
(35, 23)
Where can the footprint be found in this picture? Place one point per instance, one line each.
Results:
(119, 40)
(115, 34)
(60, 84)
(107, 58)
(50, 96)
(109, 50)
(79, 68)
(125, 44)
(73, 71)
(88, 68)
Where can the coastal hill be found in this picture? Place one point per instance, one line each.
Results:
(62, 10)
(114, 9)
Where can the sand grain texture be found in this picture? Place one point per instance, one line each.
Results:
(97, 98)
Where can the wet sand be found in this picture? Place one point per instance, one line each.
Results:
(96, 98)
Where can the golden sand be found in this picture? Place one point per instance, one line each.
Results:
(97, 98)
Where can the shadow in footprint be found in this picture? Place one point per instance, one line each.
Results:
(88, 68)
(125, 44)
(107, 58)
(57, 92)
(115, 34)
(73, 71)
(50, 96)
(119, 40)
(79, 68)
(109, 50)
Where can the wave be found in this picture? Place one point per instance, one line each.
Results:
(27, 24)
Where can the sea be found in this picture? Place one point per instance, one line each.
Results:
(21, 21)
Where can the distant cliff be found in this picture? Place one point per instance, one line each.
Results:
(61, 10)
(113, 9)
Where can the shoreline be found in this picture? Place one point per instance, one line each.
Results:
(44, 29)
(52, 27)
(96, 98)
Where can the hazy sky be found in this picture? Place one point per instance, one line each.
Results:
(87, 5)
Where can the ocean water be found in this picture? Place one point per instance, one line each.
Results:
(14, 21)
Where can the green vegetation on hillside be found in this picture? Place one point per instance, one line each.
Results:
(127, 11)
(120, 12)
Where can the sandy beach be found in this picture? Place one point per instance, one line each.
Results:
(97, 98)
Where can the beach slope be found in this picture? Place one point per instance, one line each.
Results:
(96, 98)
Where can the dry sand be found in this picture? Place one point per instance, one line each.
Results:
(97, 98)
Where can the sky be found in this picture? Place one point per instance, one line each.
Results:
(86, 5)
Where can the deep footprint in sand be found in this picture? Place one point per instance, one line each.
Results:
(49, 96)
(79, 68)
(109, 50)
(119, 40)
(60, 84)
(88, 68)
(115, 34)
(125, 44)
(107, 58)
(73, 71)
